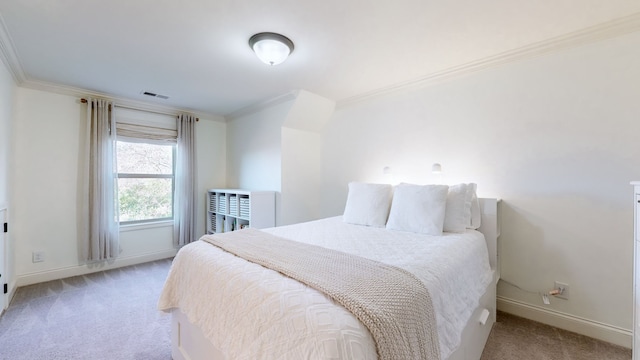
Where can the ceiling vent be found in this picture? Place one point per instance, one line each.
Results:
(149, 93)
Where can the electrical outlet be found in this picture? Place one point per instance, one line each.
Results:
(37, 256)
(564, 290)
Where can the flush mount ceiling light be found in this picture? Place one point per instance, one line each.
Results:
(271, 48)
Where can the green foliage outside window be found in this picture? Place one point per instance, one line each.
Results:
(145, 181)
(144, 199)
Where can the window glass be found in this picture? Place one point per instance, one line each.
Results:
(144, 158)
(145, 181)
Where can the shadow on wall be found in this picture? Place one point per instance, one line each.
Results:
(573, 238)
(520, 242)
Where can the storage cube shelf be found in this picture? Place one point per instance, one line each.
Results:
(234, 209)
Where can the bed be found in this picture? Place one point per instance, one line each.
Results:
(224, 307)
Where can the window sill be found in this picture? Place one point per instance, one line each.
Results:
(149, 225)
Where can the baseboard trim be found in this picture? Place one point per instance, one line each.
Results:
(12, 290)
(61, 273)
(587, 327)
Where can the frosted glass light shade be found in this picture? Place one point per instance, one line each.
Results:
(271, 48)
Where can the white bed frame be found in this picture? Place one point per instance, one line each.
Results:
(188, 342)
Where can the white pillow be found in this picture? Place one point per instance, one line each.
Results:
(458, 212)
(475, 209)
(368, 204)
(418, 208)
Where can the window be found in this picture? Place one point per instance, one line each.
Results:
(145, 180)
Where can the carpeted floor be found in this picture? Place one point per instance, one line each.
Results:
(105, 315)
(513, 337)
(112, 315)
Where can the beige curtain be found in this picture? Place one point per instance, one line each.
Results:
(185, 200)
(101, 240)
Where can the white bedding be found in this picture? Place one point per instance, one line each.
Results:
(248, 311)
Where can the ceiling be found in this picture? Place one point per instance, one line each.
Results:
(196, 52)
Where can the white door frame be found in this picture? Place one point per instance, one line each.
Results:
(4, 279)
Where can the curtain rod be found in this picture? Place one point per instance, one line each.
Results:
(84, 101)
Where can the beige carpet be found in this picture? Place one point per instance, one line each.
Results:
(112, 315)
(513, 337)
(105, 315)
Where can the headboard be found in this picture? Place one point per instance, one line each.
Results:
(490, 227)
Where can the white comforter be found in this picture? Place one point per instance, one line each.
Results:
(251, 312)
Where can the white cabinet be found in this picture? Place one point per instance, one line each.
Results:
(636, 270)
(233, 209)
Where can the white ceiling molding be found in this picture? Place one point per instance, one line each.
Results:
(138, 105)
(254, 108)
(232, 93)
(592, 34)
(8, 54)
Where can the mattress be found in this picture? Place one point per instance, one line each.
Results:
(248, 311)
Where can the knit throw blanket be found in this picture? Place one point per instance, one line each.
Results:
(391, 302)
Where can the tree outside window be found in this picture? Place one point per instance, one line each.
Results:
(145, 181)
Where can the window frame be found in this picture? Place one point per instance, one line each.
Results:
(171, 176)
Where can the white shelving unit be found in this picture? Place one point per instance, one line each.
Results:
(233, 209)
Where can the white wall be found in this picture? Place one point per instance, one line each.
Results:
(556, 137)
(47, 156)
(49, 142)
(302, 157)
(278, 147)
(253, 148)
(211, 142)
(301, 175)
(254, 153)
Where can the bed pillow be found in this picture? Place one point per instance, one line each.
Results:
(458, 211)
(475, 220)
(418, 208)
(368, 204)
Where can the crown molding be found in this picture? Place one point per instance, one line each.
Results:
(607, 30)
(599, 32)
(254, 108)
(135, 104)
(9, 55)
